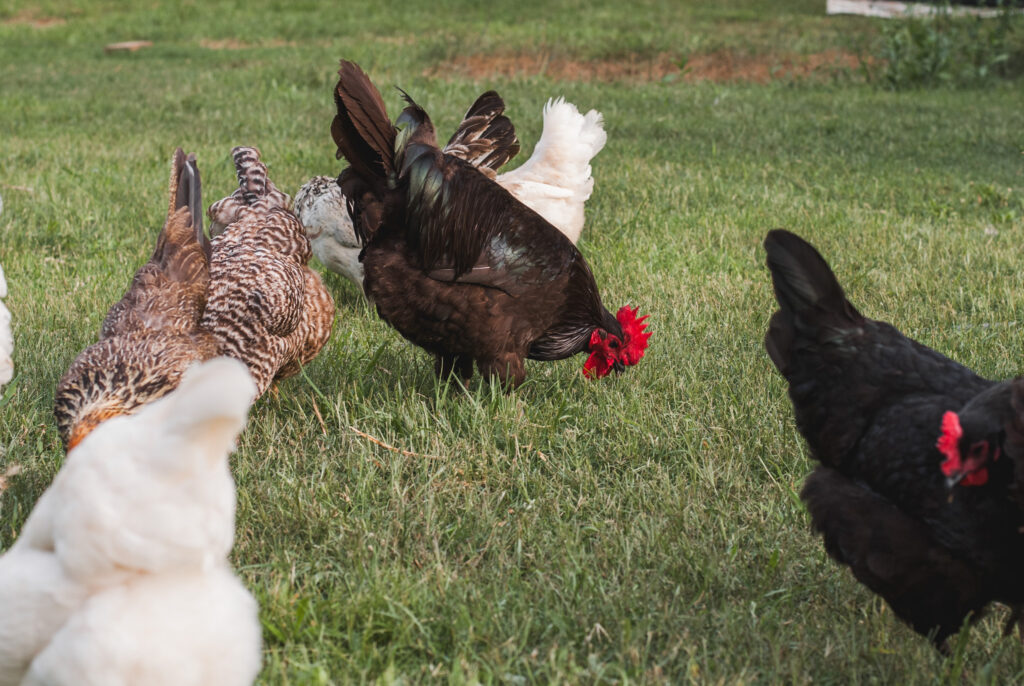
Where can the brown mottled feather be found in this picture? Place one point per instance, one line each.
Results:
(265, 306)
(255, 192)
(151, 336)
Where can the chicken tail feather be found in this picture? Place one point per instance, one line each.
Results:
(811, 301)
(486, 138)
(362, 130)
(182, 248)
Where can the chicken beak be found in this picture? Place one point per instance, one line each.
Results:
(618, 366)
(952, 481)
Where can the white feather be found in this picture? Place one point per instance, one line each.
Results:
(321, 208)
(128, 547)
(36, 598)
(186, 629)
(6, 337)
(556, 181)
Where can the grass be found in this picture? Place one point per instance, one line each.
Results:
(642, 529)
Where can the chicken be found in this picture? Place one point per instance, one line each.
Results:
(555, 182)
(6, 337)
(152, 335)
(321, 208)
(120, 574)
(485, 138)
(877, 410)
(266, 307)
(255, 193)
(455, 263)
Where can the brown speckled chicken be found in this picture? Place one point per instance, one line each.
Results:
(265, 306)
(152, 335)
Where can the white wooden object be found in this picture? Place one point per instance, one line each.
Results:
(890, 9)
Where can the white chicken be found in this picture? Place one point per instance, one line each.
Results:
(6, 337)
(120, 575)
(555, 183)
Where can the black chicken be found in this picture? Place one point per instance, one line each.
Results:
(871, 404)
(455, 263)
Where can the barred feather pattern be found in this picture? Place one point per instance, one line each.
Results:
(120, 374)
(265, 307)
(256, 193)
(152, 335)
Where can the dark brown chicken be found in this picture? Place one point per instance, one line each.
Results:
(455, 263)
(152, 335)
(895, 426)
(265, 306)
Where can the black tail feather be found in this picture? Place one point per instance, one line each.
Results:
(801, 276)
(486, 137)
(810, 298)
(191, 188)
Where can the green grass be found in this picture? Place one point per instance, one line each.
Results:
(641, 529)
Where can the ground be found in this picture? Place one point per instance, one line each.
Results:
(638, 529)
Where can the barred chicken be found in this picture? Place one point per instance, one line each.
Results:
(266, 307)
(894, 426)
(555, 182)
(455, 263)
(152, 335)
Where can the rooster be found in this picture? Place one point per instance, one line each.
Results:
(895, 425)
(152, 335)
(455, 263)
(266, 307)
(485, 138)
(555, 182)
(6, 338)
(120, 574)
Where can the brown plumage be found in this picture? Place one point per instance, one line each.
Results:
(255, 192)
(152, 335)
(454, 262)
(265, 306)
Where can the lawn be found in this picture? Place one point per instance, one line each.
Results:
(639, 529)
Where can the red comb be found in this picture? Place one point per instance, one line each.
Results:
(948, 443)
(634, 339)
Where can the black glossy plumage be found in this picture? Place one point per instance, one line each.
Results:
(452, 260)
(870, 401)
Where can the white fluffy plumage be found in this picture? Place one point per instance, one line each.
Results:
(555, 183)
(6, 337)
(120, 574)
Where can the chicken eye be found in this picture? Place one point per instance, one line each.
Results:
(614, 343)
